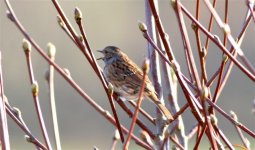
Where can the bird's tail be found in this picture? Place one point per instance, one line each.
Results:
(161, 107)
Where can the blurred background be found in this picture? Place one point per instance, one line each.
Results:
(112, 22)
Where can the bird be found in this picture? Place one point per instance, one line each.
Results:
(126, 78)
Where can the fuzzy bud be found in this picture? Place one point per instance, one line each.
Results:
(110, 89)
(81, 38)
(60, 22)
(142, 26)
(146, 137)
(51, 50)
(204, 52)
(6, 99)
(9, 15)
(28, 139)
(116, 135)
(26, 46)
(95, 148)
(174, 3)
(175, 65)
(233, 115)
(194, 26)
(224, 58)
(214, 120)
(77, 14)
(204, 92)
(146, 66)
(226, 29)
(16, 111)
(35, 89)
(67, 72)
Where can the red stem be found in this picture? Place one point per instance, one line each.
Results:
(36, 102)
(4, 134)
(139, 102)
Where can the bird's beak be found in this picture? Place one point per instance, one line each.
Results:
(100, 51)
(100, 58)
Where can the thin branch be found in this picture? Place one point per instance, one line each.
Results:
(220, 45)
(240, 125)
(110, 91)
(35, 92)
(15, 114)
(139, 102)
(4, 134)
(50, 81)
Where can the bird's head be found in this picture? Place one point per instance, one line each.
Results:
(109, 53)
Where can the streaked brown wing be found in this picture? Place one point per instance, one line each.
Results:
(133, 73)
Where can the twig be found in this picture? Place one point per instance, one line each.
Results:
(189, 96)
(16, 117)
(50, 81)
(138, 121)
(143, 112)
(241, 126)
(155, 72)
(177, 143)
(198, 140)
(35, 92)
(4, 134)
(139, 102)
(115, 139)
(192, 131)
(244, 140)
(220, 45)
(210, 26)
(110, 92)
(186, 44)
(90, 57)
